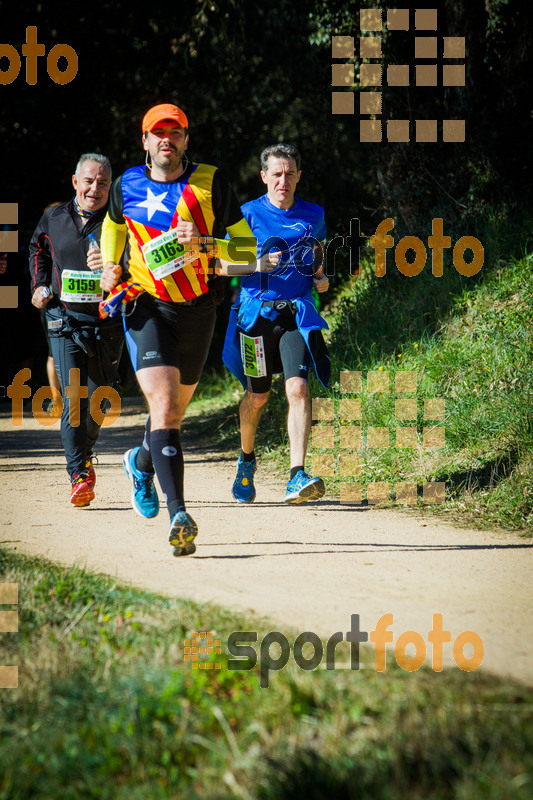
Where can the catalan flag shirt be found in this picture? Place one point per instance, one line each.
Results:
(142, 209)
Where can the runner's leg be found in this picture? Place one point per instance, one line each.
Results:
(161, 387)
(144, 460)
(298, 419)
(186, 393)
(256, 396)
(175, 339)
(67, 356)
(250, 411)
(96, 378)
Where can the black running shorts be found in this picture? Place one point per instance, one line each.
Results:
(283, 346)
(161, 333)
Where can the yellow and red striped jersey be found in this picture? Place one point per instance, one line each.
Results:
(141, 209)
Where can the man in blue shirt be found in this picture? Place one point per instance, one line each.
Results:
(274, 325)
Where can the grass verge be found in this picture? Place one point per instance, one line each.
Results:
(107, 708)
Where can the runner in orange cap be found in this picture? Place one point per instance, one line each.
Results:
(161, 207)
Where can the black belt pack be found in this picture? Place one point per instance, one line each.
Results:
(88, 333)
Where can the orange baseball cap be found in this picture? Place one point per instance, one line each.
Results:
(159, 113)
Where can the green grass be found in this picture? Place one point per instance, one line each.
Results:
(107, 708)
(470, 340)
(480, 360)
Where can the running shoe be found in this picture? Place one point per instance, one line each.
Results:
(48, 406)
(303, 488)
(183, 530)
(81, 493)
(243, 488)
(51, 408)
(144, 497)
(89, 469)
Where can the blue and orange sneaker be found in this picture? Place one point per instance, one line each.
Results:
(243, 489)
(303, 488)
(183, 530)
(144, 497)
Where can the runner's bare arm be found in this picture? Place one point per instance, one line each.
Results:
(266, 263)
(320, 281)
(241, 253)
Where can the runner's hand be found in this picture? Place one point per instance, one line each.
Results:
(41, 297)
(110, 276)
(3, 263)
(320, 281)
(94, 260)
(187, 232)
(268, 261)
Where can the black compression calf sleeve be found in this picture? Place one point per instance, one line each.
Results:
(167, 456)
(143, 462)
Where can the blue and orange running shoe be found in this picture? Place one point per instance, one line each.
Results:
(144, 497)
(243, 488)
(183, 530)
(303, 488)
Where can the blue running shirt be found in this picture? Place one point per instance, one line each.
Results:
(293, 231)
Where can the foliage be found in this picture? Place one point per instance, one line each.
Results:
(470, 344)
(246, 77)
(492, 166)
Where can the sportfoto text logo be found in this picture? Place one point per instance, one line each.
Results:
(19, 390)
(379, 242)
(275, 649)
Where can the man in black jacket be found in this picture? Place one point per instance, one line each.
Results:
(59, 255)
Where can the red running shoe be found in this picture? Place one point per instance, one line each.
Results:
(82, 492)
(89, 469)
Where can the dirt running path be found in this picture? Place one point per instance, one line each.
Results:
(304, 567)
